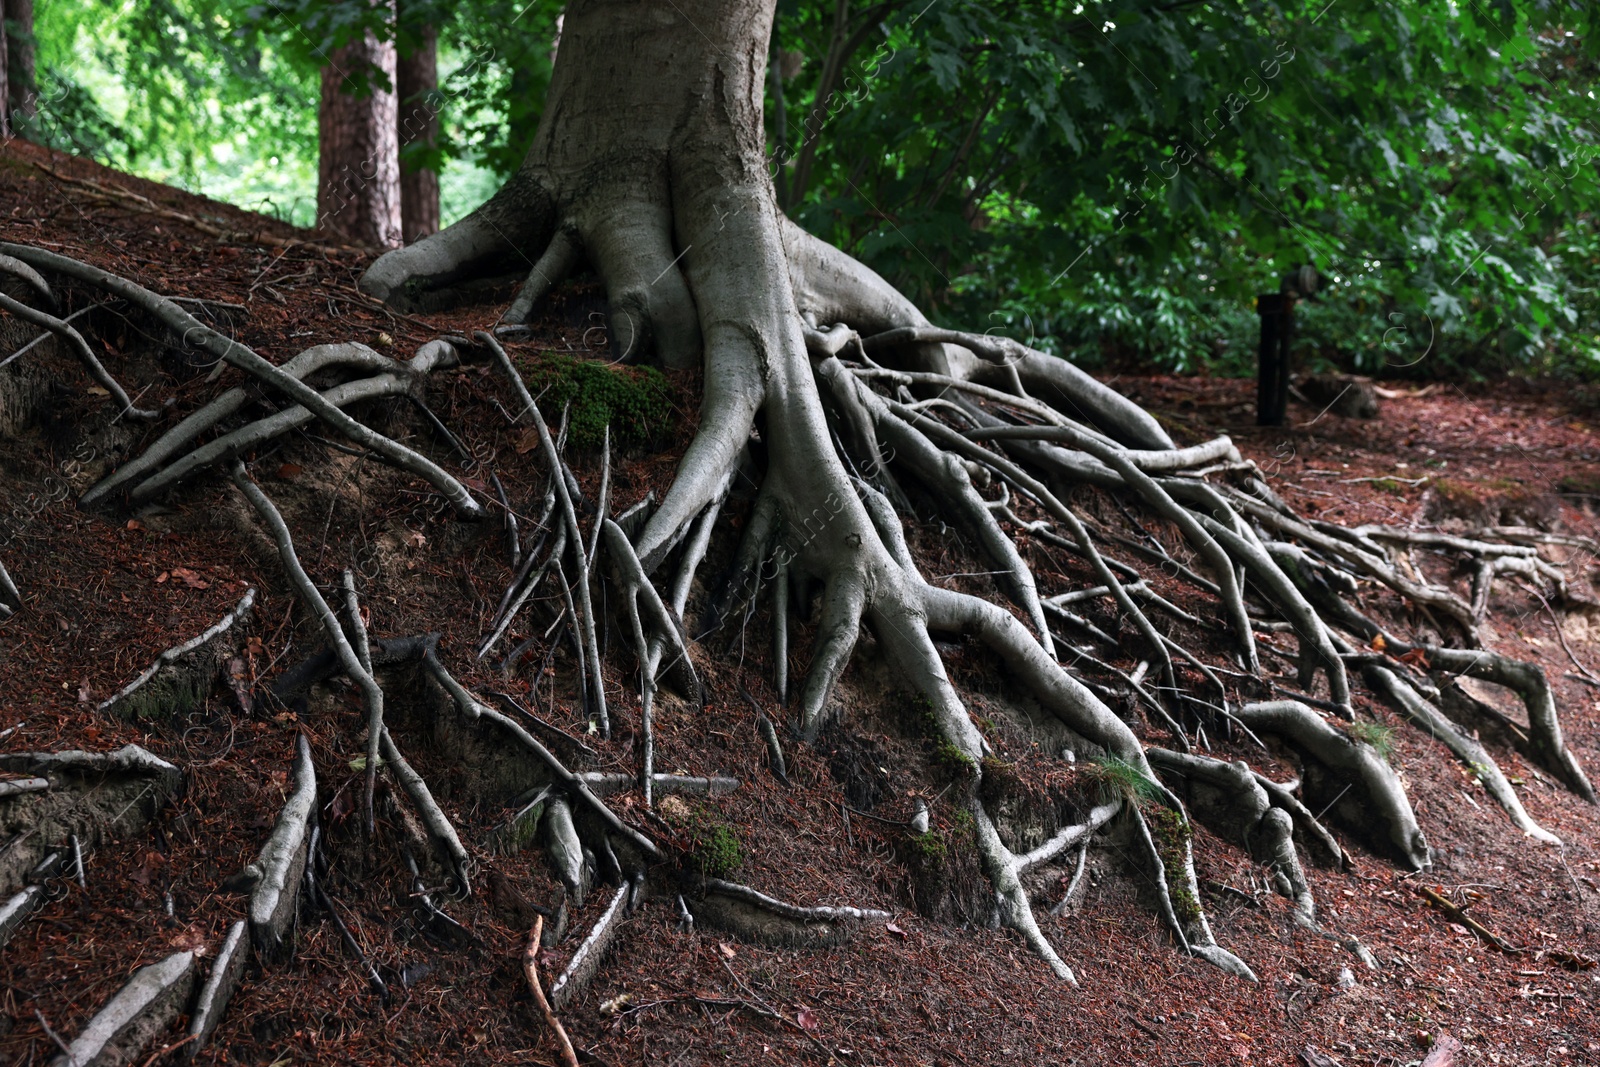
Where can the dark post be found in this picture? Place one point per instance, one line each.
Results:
(1272, 393)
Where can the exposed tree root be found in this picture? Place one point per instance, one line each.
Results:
(169, 658)
(194, 332)
(839, 413)
(1370, 790)
(591, 951)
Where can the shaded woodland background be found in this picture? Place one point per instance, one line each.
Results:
(1112, 180)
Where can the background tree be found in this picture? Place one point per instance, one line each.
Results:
(358, 132)
(21, 79)
(418, 86)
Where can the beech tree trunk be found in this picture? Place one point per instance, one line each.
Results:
(824, 386)
(22, 90)
(419, 125)
(358, 171)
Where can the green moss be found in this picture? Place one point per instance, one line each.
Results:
(999, 779)
(1389, 485)
(1184, 905)
(517, 832)
(715, 848)
(172, 693)
(636, 402)
(929, 847)
(1173, 833)
(1375, 734)
(953, 761)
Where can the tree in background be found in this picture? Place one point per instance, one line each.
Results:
(21, 94)
(418, 85)
(358, 138)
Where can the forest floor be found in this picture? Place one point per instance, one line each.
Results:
(105, 594)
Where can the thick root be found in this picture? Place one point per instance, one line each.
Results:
(1370, 790)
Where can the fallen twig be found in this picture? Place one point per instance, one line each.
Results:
(1459, 915)
(530, 967)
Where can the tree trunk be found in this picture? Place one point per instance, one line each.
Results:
(22, 90)
(418, 79)
(358, 170)
(822, 385)
(5, 81)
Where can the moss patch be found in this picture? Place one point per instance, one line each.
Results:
(636, 402)
(1173, 834)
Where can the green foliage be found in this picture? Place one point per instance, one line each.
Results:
(191, 92)
(1108, 182)
(953, 761)
(1375, 734)
(1123, 180)
(636, 402)
(715, 850)
(1116, 777)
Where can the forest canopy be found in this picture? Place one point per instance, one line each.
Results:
(1112, 181)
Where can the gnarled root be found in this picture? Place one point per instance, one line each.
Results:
(1370, 789)
(755, 916)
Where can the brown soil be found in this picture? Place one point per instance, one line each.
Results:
(104, 596)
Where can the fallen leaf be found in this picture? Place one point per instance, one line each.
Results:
(189, 578)
(1416, 658)
(806, 1018)
(893, 929)
(162, 577)
(727, 949)
(1378, 643)
(289, 471)
(135, 524)
(526, 441)
(95, 390)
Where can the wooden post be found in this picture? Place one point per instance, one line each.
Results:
(1272, 374)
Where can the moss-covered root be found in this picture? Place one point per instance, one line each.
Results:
(1170, 853)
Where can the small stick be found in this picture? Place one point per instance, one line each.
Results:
(530, 967)
(62, 1045)
(77, 861)
(1457, 915)
(160, 1052)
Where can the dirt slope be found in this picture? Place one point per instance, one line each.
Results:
(106, 593)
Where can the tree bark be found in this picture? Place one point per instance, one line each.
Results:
(22, 91)
(649, 163)
(358, 171)
(418, 79)
(5, 83)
